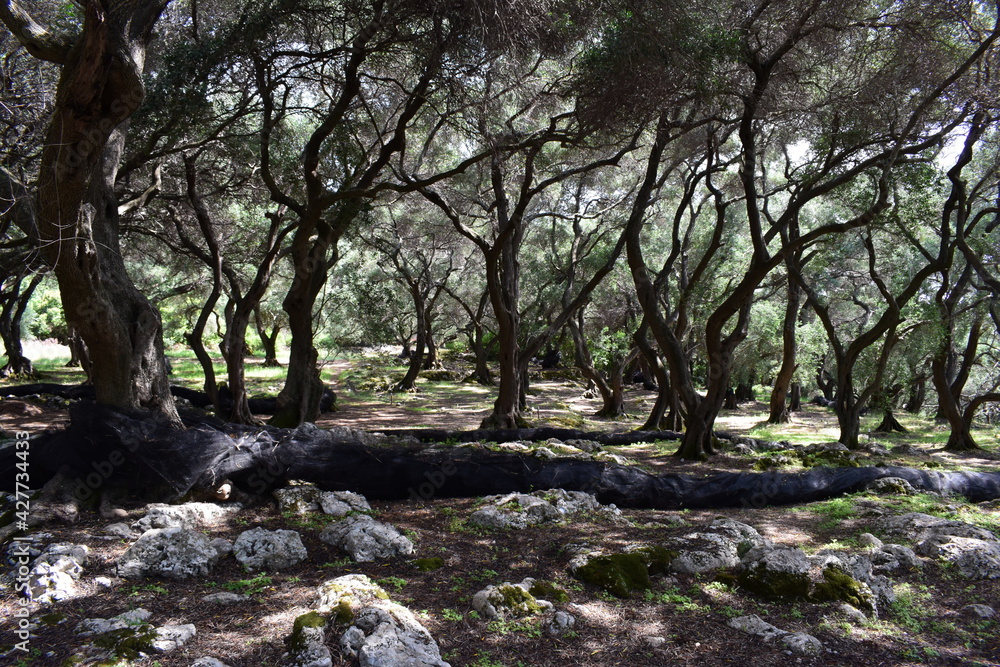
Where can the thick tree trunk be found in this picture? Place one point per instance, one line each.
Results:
(848, 413)
(779, 410)
(917, 395)
(827, 384)
(408, 383)
(10, 328)
(795, 401)
(502, 279)
(889, 423)
(100, 86)
(299, 399)
(268, 341)
(613, 392)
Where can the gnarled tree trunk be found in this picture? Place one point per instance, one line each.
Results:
(99, 88)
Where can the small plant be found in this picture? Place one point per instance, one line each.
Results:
(452, 615)
(148, 588)
(252, 586)
(395, 582)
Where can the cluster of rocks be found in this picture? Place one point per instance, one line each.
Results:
(373, 629)
(528, 598)
(765, 568)
(129, 635)
(53, 570)
(553, 448)
(975, 552)
(515, 511)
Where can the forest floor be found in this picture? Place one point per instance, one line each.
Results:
(923, 626)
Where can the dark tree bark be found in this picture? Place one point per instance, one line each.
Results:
(77, 211)
(213, 258)
(889, 423)
(268, 340)
(917, 395)
(13, 303)
(795, 401)
(779, 408)
(612, 387)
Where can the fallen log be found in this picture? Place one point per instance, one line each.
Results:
(103, 447)
(265, 405)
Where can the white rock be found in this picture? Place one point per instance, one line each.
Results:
(977, 611)
(175, 553)
(224, 598)
(193, 516)
(366, 539)
(803, 644)
(100, 626)
(261, 549)
(755, 625)
(171, 637)
(208, 661)
(560, 623)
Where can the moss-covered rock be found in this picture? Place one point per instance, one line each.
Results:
(618, 574)
(509, 601)
(656, 558)
(297, 640)
(429, 564)
(548, 591)
(776, 573)
(841, 587)
(129, 643)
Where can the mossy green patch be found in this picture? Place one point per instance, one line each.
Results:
(429, 564)
(515, 600)
(656, 558)
(840, 586)
(771, 584)
(547, 591)
(312, 619)
(128, 643)
(618, 574)
(53, 618)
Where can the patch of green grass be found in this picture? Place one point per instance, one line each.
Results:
(148, 588)
(452, 615)
(528, 627)
(252, 586)
(395, 582)
(835, 511)
(909, 609)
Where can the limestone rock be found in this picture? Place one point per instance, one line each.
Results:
(381, 633)
(193, 516)
(307, 643)
(208, 661)
(171, 637)
(99, 626)
(261, 549)
(978, 611)
(339, 503)
(224, 598)
(755, 625)
(509, 601)
(803, 644)
(719, 546)
(366, 539)
(975, 558)
(298, 498)
(560, 623)
(891, 485)
(175, 553)
(520, 510)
